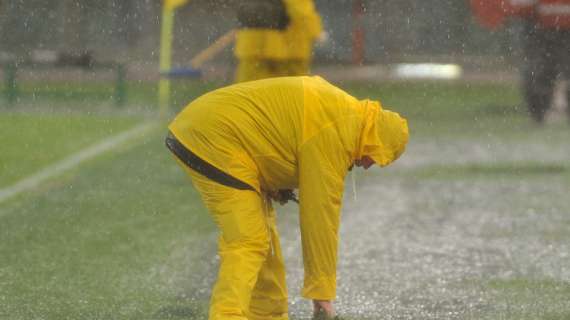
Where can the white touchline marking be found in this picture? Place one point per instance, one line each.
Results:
(73, 160)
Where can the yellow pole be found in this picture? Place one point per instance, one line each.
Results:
(165, 59)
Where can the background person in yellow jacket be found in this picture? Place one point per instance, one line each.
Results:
(243, 145)
(275, 38)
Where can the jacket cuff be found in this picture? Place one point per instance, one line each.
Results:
(322, 288)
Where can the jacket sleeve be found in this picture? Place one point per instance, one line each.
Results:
(305, 17)
(322, 167)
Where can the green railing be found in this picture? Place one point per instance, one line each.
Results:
(11, 89)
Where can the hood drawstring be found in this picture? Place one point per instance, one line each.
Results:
(267, 208)
(353, 178)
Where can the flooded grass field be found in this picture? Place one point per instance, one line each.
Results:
(472, 223)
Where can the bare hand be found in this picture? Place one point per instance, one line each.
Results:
(323, 309)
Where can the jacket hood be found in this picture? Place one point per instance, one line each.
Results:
(384, 134)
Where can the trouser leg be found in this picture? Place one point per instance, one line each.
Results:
(240, 264)
(244, 245)
(568, 97)
(250, 69)
(269, 297)
(298, 67)
(539, 74)
(565, 65)
(538, 95)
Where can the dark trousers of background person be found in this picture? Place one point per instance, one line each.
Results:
(547, 58)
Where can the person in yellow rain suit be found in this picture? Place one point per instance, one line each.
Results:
(275, 38)
(244, 143)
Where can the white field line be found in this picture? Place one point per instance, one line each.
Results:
(74, 160)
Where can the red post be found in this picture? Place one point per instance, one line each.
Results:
(357, 32)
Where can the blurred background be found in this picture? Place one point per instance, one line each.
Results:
(129, 32)
(118, 43)
(98, 222)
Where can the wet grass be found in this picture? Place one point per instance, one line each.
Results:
(81, 96)
(444, 107)
(517, 298)
(427, 104)
(125, 236)
(90, 246)
(491, 171)
(31, 141)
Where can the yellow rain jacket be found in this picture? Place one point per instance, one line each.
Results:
(295, 42)
(294, 132)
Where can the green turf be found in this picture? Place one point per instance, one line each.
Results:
(514, 296)
(441, 109)
(493, 171)
(122, 236)
(89, 246)
(32, 141)
(432, 103)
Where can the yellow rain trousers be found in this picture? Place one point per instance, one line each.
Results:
(265, 53)
(251, 280)
(280, 133)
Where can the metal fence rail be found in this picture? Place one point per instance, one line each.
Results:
(12, 91)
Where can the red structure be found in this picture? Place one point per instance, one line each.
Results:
(545, 44)
(357, 32)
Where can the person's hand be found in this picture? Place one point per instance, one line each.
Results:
(323, 38)
(282, 196)
(364, 162)
(323, 309)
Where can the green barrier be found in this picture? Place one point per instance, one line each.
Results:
(121, 86)
(11, 85)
